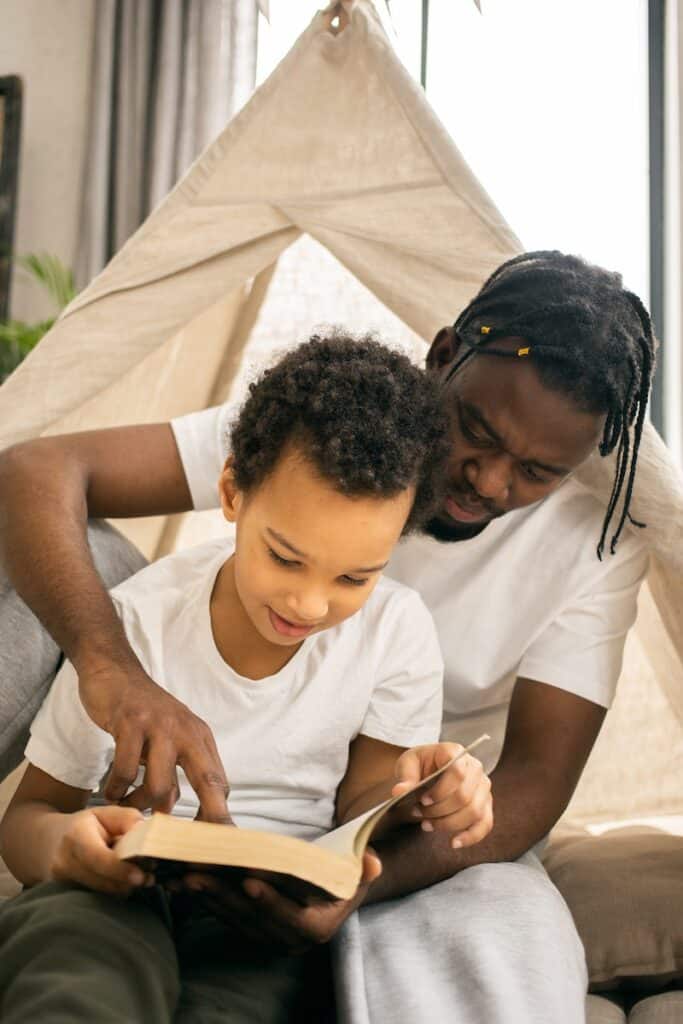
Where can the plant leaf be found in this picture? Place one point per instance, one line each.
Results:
(51, 273)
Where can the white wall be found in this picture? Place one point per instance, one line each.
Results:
(48, 44)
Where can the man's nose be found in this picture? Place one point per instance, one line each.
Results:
(491, 477)
(308, 605)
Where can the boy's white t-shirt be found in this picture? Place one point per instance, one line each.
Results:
(527, 597)
(284, 739)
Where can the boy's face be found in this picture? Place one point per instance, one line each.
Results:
(306, 556)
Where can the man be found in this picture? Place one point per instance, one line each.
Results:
(550, 360)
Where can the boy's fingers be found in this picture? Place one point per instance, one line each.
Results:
(372, 867)
(462, 777)
(408, 770)
(116, 819)
(473, 834)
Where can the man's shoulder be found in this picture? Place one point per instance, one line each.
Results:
(396, 603)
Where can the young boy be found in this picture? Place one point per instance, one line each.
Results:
(315, 674)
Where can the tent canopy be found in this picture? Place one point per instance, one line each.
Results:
(340, 145)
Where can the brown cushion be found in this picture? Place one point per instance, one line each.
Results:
(625, 891)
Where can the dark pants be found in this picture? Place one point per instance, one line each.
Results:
(69, 955)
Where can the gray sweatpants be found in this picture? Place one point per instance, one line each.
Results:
(493, 945)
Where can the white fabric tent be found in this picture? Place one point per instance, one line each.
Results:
(340, 145)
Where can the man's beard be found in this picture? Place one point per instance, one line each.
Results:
(450, 531)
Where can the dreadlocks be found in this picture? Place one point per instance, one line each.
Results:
(589, 338)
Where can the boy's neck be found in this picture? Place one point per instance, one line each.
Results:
(238, 641)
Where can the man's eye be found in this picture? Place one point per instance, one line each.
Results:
(280, 560)
(533, 474)
(354, 581)
(471, 436)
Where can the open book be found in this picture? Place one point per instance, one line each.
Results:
(333, 863)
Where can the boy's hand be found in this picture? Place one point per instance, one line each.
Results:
(459, 801)
(84, 854)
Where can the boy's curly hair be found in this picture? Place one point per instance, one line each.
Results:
(365, 416)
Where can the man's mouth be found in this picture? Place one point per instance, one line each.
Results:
(286, 628)
(465, 512)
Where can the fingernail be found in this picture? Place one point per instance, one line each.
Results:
(253, 889)
(426, 801)
(150, 880)
(136, 878)
(427, 826)
(455, 844)
(195, 884)
(416, 812)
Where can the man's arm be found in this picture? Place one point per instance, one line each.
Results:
(550, 733)
(48, 489)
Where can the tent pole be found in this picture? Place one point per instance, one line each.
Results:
(425, 36)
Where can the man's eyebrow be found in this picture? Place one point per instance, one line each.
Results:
(285, 543)
(476, 414)
(295, 551)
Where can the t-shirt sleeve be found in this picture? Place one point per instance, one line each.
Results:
(202, 440)
(64, 741)
(582, 649)
(406, 703)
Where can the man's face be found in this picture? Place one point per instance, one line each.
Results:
(513, 440)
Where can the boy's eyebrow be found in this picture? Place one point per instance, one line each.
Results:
(285, 543)
(295, 551)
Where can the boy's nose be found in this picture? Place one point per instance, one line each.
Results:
(308, 607)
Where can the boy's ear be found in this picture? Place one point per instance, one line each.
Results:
(229, 493)
(443, 349)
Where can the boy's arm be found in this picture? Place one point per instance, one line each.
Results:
(549, 736)
(369, 777)
(46, 834)
(48, 489)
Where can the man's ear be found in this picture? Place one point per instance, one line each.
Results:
(230, 495)
(443, 349)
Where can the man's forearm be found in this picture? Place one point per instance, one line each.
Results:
(525, 809)
(45, 552)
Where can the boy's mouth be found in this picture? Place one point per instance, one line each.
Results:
(286, 628)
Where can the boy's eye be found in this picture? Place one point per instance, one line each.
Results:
(280, 560)
(354, 581)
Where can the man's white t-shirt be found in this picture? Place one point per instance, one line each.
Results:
(526, 598)
(284, 740)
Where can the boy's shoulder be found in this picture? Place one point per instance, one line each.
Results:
(174, 578)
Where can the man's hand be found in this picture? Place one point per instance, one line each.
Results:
(458, 802)
(151, 727)
(265, 916)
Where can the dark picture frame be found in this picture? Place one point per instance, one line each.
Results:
(10, 133)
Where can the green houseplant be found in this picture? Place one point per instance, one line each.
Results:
(17, 337)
